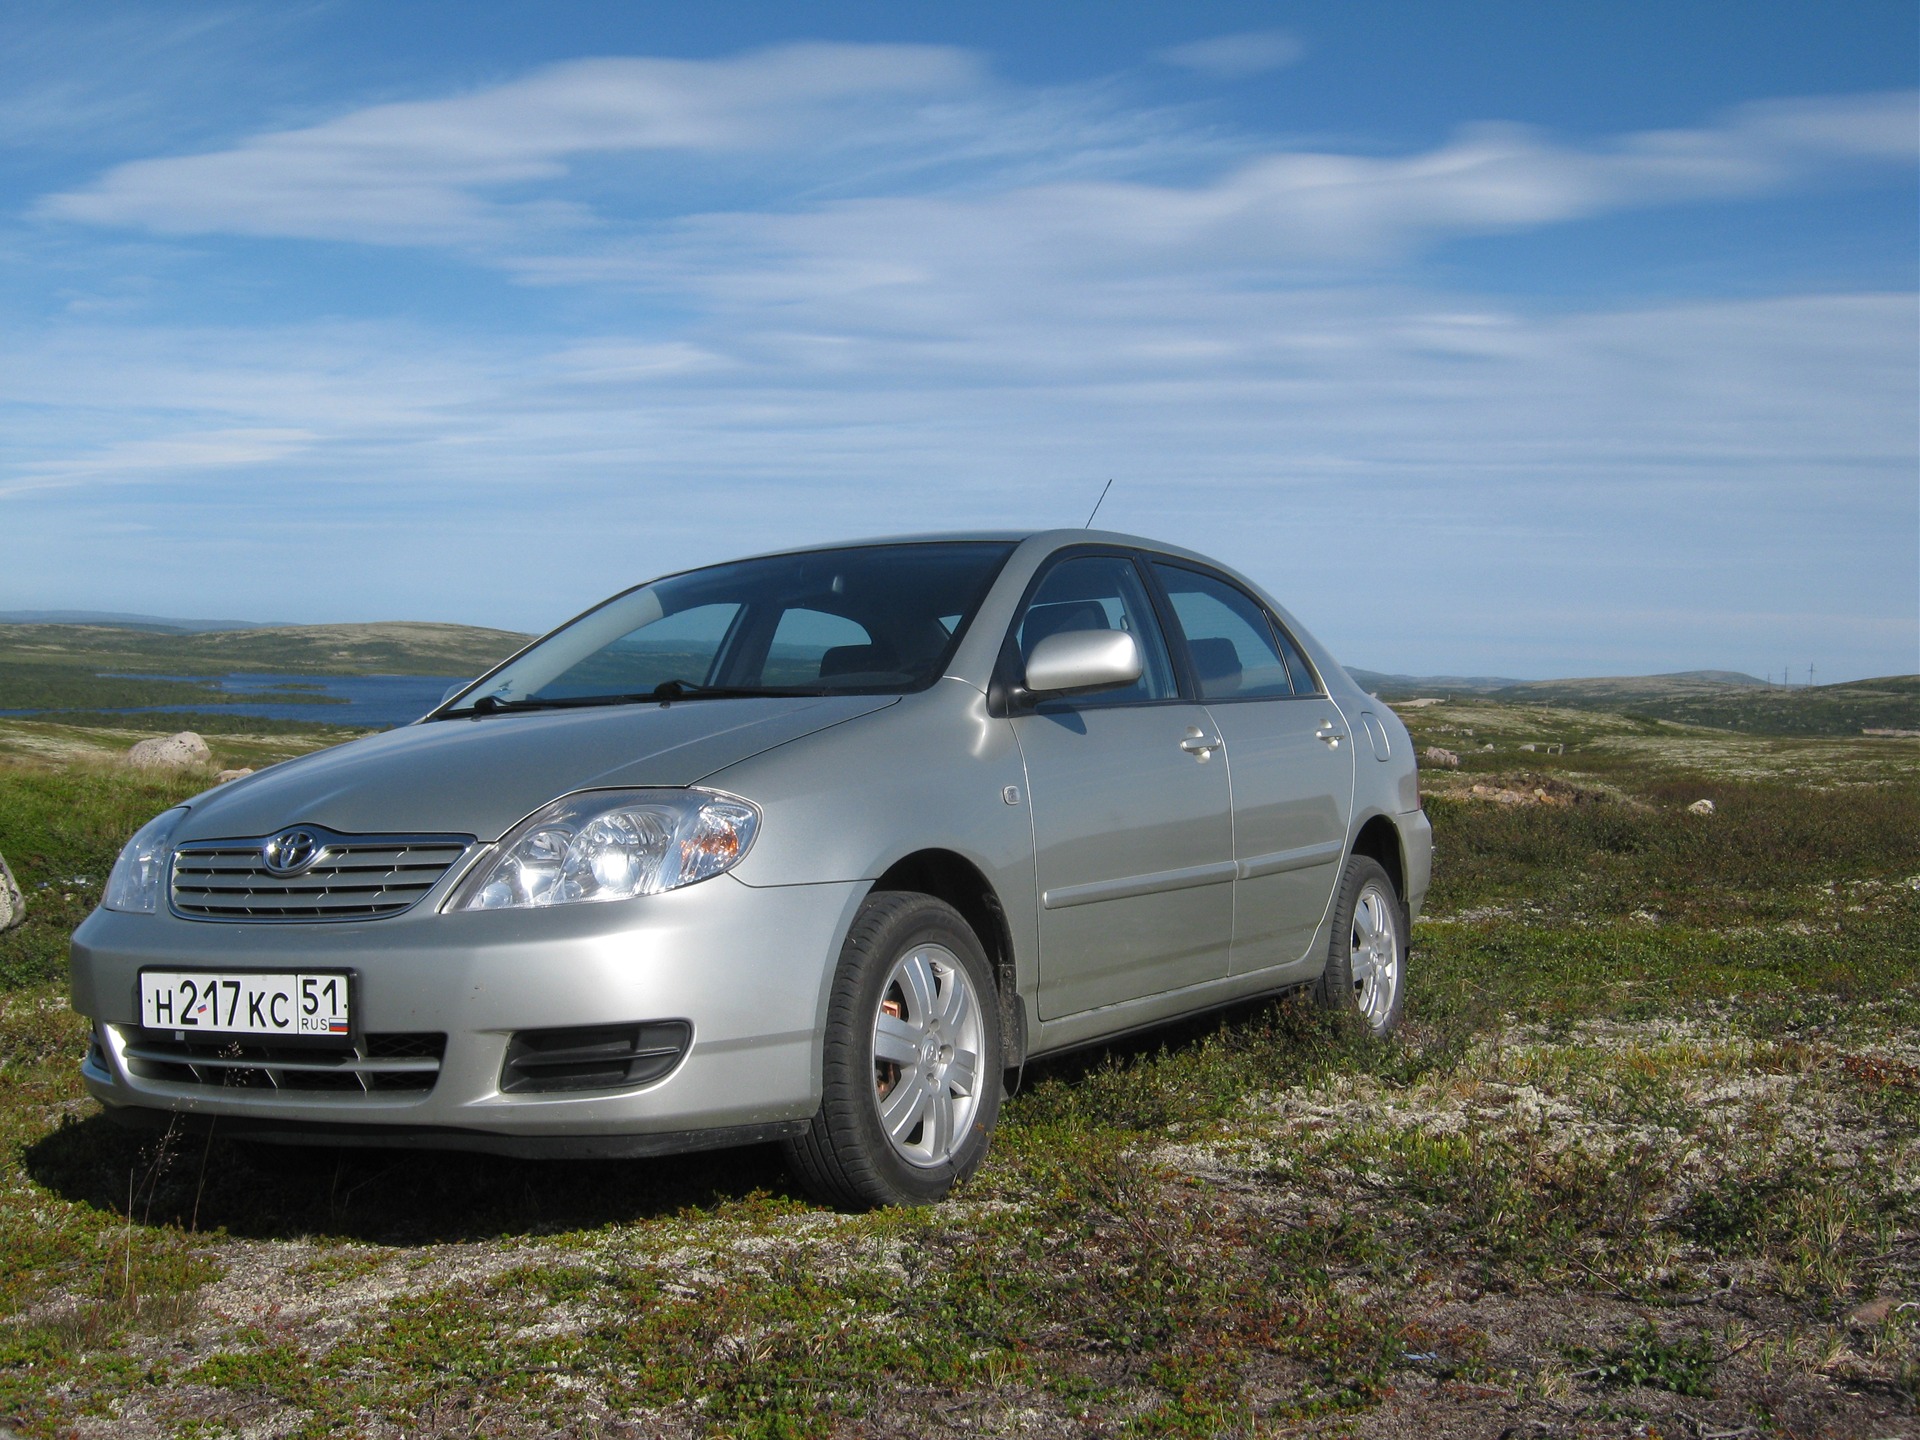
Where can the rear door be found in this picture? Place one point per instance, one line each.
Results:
(1133, 831)
(1289, 755)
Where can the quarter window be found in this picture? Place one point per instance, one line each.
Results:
(1099, 592)
(1303, 681)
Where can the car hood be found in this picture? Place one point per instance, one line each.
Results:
(481, 777)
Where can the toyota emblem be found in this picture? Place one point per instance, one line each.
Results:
(292, 852)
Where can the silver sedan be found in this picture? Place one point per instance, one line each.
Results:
(812, 847)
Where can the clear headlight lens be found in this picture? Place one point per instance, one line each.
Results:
(140, 874)
(613, 845)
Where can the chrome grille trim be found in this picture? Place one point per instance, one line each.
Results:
(358, 877)
(379, 1064)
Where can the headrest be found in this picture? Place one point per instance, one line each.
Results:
(853, 660)
(1218, 664)
(1058, 619)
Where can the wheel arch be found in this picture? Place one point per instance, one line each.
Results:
(1379, 840)
(949, 876)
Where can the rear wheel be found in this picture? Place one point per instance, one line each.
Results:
(911, 1063)
(1366, 972)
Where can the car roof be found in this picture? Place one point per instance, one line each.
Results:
(1047, 539)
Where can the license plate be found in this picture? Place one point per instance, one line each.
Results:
(313, 1006)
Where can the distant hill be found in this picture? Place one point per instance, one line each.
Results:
(125, 622)
(1723, 699)
(1402, 687)
(384, 648)
(1891, 702)
(1607, 687)
(1614, 688)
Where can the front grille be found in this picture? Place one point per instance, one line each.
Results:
(358, 877)
(407, 1062)
(597, 1057)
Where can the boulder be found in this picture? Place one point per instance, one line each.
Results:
(1700, 807)
(225, 776)
(1446, 759)
(13, 905)
(172, 752)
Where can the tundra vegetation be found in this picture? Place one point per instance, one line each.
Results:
(1644, 1160)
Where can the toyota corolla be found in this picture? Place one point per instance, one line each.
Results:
(812, 847)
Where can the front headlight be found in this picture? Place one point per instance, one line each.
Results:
(613, 845)
(141, 871)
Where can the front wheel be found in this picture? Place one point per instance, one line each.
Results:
(1366, 974)
(911, 1062)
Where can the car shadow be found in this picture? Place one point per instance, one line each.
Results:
(386, 1197)
(422, 1197)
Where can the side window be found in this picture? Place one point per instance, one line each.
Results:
(1099, 592)
(1228, 637)
(812, 645)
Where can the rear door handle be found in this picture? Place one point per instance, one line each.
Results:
(1329, 733)
(1199, 743)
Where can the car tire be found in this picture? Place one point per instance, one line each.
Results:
(911, 1072)
(1366, 973)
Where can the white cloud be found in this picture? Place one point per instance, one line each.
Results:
(1237, 57)
(417, 172)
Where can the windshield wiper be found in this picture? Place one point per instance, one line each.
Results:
(677, 689)
(665, 691)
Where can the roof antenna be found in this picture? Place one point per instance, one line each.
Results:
(1096, 506)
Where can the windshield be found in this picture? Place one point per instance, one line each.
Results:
(866, 620)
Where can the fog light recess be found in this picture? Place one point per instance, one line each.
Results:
(593, 1057)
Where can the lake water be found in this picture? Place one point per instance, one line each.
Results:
(373, 702)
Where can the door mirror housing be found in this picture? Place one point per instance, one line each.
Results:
(1080, 662)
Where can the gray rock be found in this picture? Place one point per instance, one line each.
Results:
(13, 905)
(1445, 758)
(229, 775)
(173, 752)
(1700, 807)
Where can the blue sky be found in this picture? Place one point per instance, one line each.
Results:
(1508, 338)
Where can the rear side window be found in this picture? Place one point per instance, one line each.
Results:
(1099, 592)
(1229, 639)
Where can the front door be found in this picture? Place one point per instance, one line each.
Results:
(1132, 816)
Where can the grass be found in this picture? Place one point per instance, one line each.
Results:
(1646, 1152)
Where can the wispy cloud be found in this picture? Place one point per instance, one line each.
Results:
(1237, 57)
(1274, 214)
(422, 171)
(951, 171)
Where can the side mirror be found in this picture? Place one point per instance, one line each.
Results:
(1078, 662)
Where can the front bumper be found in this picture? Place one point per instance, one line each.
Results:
(749, 968)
